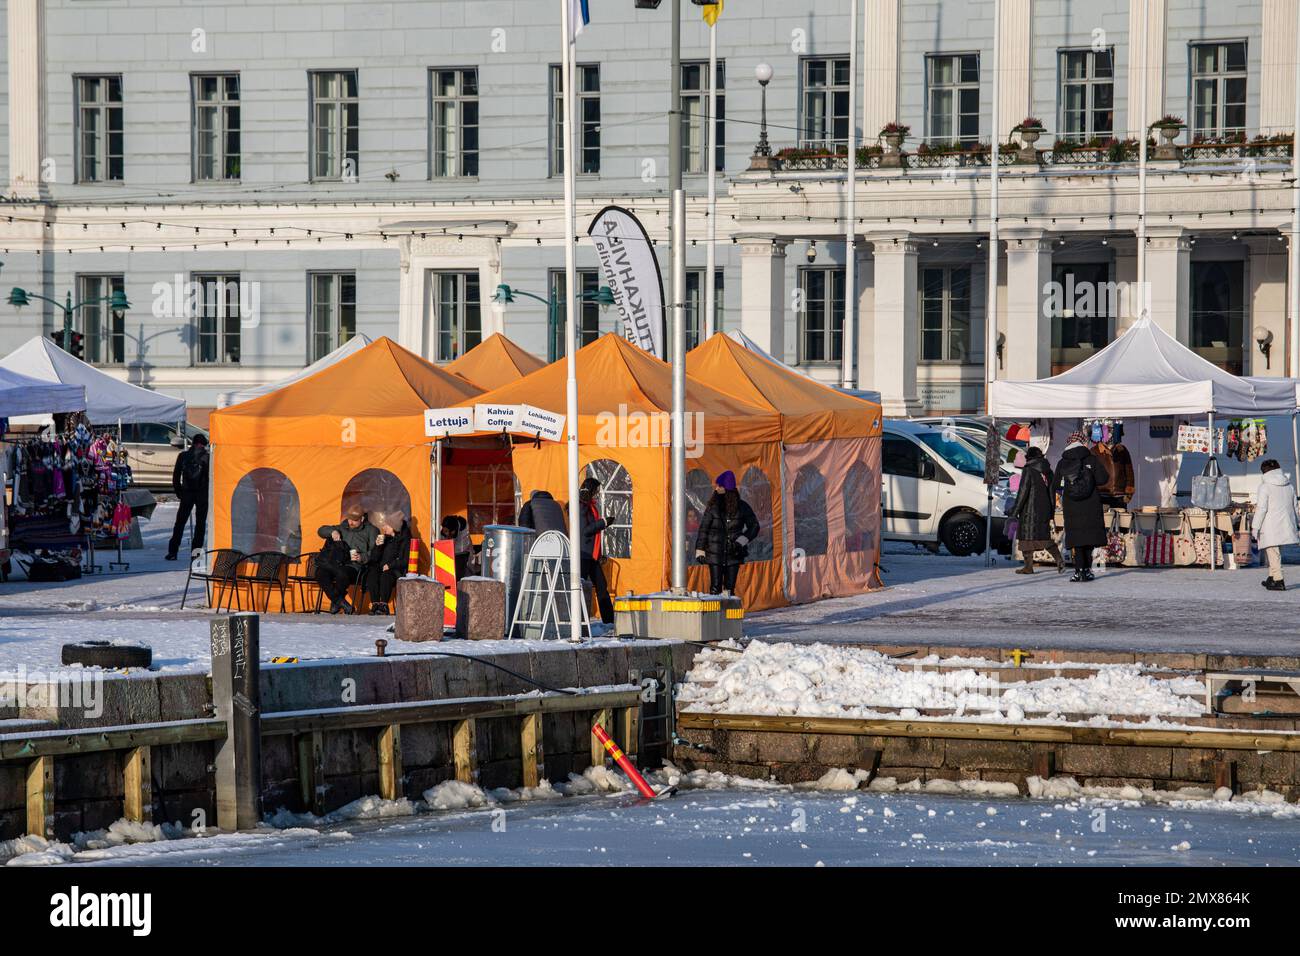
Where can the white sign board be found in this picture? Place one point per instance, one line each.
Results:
(538, 421)
(496, 418)
(448, 421)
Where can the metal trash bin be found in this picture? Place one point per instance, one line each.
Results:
(505, 550)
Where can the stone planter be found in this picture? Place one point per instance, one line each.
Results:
(1166, 149)
(1028, 153)
(892, 156)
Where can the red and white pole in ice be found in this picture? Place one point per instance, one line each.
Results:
(624, 764)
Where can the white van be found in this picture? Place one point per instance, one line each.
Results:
(932, 489)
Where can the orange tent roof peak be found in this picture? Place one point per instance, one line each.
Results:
(494, 362)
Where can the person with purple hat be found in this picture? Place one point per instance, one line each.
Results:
(727, 527)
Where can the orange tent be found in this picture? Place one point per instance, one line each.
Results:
(289, 461)
(830, 468)
(494, 362)
(624, 400)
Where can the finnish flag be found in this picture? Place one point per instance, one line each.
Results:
(578, 18)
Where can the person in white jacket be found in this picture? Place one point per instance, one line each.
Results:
(1274, 524)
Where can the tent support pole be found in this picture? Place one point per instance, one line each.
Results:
(435, 499)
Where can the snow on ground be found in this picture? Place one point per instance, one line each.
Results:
(939, 599)
(822, 680)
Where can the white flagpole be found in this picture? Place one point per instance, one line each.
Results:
(848, 336)
(570, 325)
(1293, 258)
(991, 306)
(1143, 120)
(710, 256)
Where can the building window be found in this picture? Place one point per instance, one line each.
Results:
(103, 330)
(333, 311)
(615, 502)
(1218, 89)
(1218, 320)
(586, 118)
(455, 122)
(216, 126)
(695, 117)
(821, 318)
(588, 311)
(1082, 307)
(100, 146)
(953, 84)
(335, 132)
(490, 495)
(1087, 94)
(945, 314)
(825, 85)
(695, 305)
(217, 319)
(457, 306)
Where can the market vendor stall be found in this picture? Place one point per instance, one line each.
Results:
(1145, 401)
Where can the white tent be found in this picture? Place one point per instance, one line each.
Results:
(107, 399)
(354, 344)
(23, 395)
(1144, 372)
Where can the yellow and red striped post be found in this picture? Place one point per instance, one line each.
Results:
(444, 572)
(624, 764)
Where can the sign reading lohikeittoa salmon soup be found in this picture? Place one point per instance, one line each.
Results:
(631, 270)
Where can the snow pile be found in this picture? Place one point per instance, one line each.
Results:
(821, 680)
(1258, 802)
(455, 795)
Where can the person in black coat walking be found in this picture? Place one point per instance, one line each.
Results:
(593, 528)
(388, 560)
(726, 529)
(1034, 509)
(1079, 475)
(541, 512)
(190, 482)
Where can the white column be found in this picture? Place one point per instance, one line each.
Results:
(1027, 354)
(1266, 303)
(1014, 61)
(1155, 62)
(1168, 280)
(896, 333)
(27, 98)
(1124, 274)
(866, 344)
(1278, 66)
(762, 292)
(880, 37)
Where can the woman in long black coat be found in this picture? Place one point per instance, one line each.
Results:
(1080, 471)
(726, 529)
(388, 562)
(1034, 509)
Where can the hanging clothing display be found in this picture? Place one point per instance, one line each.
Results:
(1247, 439)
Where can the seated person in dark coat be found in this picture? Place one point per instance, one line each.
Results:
(388, 560)
(342, 561)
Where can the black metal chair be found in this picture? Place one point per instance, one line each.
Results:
(223, 570)
(306, 578)
(270, 569)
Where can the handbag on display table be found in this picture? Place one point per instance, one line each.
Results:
(1158, 548)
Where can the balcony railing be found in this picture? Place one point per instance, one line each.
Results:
(1097, 153)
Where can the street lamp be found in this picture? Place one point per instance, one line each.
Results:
(117, 302)
(505, 295)
(763, 73)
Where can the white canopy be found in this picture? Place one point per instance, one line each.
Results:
(107, 399)
(354, 344)
(740, 338)
(23, 395)
(1143, 372)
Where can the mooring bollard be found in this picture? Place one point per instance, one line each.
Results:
(237, 698)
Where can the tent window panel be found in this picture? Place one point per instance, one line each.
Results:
(859, 535)
(699, 492)
(264, 513)
(377, 492)
(615, 501)
(810, 511)
(756, 491)
(490, 497)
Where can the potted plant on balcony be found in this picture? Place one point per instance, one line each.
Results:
(893, 134)
(1028, 130)
(1168, 126)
